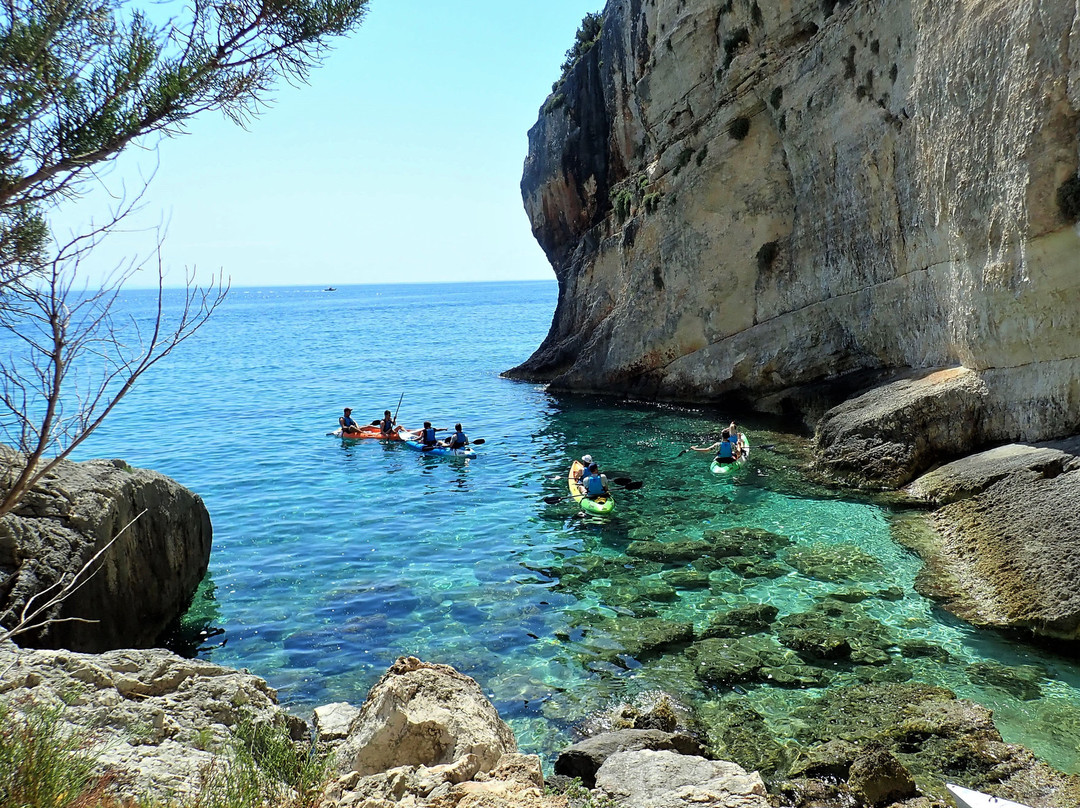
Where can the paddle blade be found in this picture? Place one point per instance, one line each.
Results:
(376, 422)
(633, 485)
(553, 500)
(623, 481)
(478, 442)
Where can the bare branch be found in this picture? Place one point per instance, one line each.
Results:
(29, 616)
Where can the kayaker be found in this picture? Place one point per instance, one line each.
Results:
(348, 425)
(459, 440)
(427, 434)
(386, 425)
(586, 462)
(596, 483)
(724, 448)
(738, 439)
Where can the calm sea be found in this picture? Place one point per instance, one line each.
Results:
(331, 559)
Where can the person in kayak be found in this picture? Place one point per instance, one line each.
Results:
(386, 425)
(724, 448)
(586, 462)
(738, 439)
(595, 484)
(348, 425)
(427, 434)
(459, 440)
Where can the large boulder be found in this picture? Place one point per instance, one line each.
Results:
(140, 584)
(1005, 551)
(888, 435)
(419, 714)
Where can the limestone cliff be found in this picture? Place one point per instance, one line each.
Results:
(750, 199)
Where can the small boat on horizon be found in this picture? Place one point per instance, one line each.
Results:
(330, 289)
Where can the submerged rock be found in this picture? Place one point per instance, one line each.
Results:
(834, 563)
(141, 584)
(723, 662)
(739, 733)
(1022, 681)
(745, 541)
(836, 631)
(740, 621)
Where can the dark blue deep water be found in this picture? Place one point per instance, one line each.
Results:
(331, 559)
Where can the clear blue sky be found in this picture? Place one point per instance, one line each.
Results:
(398, 162)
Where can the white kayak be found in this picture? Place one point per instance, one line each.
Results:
(969, 798)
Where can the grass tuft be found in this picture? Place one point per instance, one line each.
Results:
(42, 762)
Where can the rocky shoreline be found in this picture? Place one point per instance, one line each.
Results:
(159, 725)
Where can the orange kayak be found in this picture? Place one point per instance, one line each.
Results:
(369, 431)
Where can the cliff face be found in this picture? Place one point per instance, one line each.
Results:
(747, 199)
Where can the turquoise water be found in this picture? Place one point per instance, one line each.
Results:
(332, 558)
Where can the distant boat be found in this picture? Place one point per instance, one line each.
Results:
(330, 289)
(966, 798)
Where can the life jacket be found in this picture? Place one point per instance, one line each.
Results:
(727, 449)
(347, 421)
(458, 440)
(428, 436)
(594, 485)
(387, 425)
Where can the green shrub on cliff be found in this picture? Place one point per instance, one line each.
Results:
(588, 34)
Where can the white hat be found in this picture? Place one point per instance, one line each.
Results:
(586, 459)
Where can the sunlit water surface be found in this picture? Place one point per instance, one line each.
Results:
(331, 558)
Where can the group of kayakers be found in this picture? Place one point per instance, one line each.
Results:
(388, 428)
(586, 477)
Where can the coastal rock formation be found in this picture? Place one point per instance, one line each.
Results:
(789, 203)
(139, 586)
(1006, 544)
(150, 718)
(158, 728)
(585, 758)
(425, 715)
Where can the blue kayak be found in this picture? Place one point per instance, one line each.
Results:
(438, 451)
